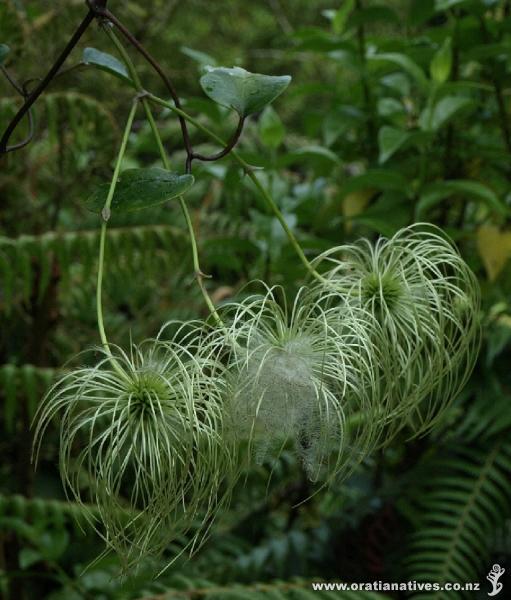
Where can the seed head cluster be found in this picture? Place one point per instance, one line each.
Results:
(382, 342)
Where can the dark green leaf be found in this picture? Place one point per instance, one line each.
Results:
(245, 92)
(388, 214)
(105, 62)
(420, 11)
(141, 188)
(311, 155)
(397, 82)
(484, 51)
(379, 179)
(271, 129)
(443, 111)
(341, 16)
(436, 192)
(390, 140)
(317, 40)
(4, 51)
(28, 557)
(403, 62)
(340, 120)
(372, 14)
(201, 57)
(388, 107)
(442, 5)
(440, 67)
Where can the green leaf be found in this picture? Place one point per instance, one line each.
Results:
(245, 92)
(53, 543)
(481, 52)
(390, 213)
(28, 557)
(310, 154)
(432, 119)
(448, 4)
(397, 82)
(316, 40)
(201, 57)
(339, 121)
(106, 62)
(434, 193)
(141, 188)
(4, 51)
(388, 107)
(341, 16)
(405, 63)
(390, 140)
(420, 11)
(441, 64)
(372, 14)
(8, 379)
(271, 129)
(379, 179)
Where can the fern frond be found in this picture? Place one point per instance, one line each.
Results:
(183, 588)
(481, 420)
(25, 381)
(86, 117)
(36, 509)
(30, 257)
(467, 500)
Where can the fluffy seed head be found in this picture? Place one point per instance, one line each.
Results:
(426, 300)
(301, 375)
(145, 445)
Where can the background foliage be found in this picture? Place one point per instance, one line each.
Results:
(399, 111)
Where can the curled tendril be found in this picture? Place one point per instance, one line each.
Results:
(153, 456)
(302, 375)
(426, 300)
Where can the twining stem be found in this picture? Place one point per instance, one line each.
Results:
(105, 214)
(250, 172)
(199, 275)
(22, 92)
(154, 64)
(33, 96)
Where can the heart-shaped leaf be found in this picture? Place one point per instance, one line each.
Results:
(4, 51)
(105, 62)
(245, 92)
(141, 188)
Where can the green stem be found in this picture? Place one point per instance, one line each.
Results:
(199, 275)
(105, 214)
(250, 172)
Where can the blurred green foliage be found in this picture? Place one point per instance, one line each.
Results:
(399, 111)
